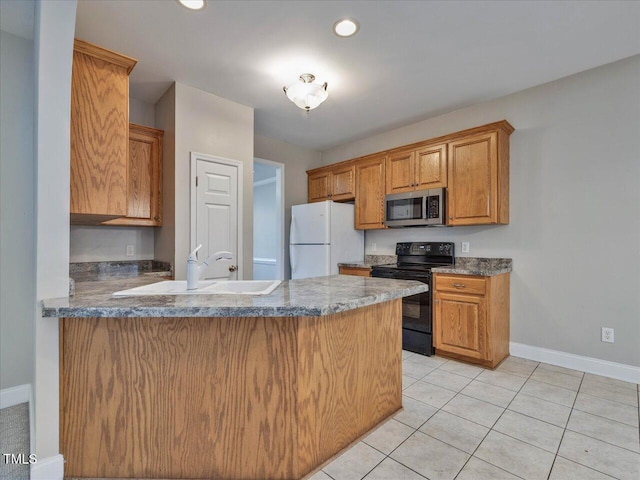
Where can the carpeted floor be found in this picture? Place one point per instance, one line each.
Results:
(14, 439)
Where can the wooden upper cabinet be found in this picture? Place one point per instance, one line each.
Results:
(473, 166)
(370, 191)
(319, 186)
(99, 133)
(417, 169)
(335, 183)
(431, 167)
(343, 183)
(400, 172)
(144, 189)
(478, 179)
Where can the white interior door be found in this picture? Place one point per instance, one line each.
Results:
(217, 216)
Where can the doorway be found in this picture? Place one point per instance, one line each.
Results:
(268, 220)
(216, 213)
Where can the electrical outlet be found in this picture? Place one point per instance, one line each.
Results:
(373, 247)
(131, 250)
(607, 335)
(465, 247)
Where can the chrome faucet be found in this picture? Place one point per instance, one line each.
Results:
(194, 271)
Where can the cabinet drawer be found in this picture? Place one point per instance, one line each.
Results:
(460, 283)
(360, 272)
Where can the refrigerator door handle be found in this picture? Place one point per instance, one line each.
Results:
(292, 233)
(292, 260)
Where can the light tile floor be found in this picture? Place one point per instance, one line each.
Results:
(525, 420)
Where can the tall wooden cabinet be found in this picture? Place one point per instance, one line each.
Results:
(471, 317)
(144, 185)
(417, 169)
(370, 191)
(478, 190)
(99, 133)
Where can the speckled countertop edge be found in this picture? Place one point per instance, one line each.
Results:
(305, 297)
(370, 261)
(483, 267)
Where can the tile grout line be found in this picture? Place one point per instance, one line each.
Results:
(491, 430)
(564, 431)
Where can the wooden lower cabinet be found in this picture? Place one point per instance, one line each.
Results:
(471, 317)
(358, 271)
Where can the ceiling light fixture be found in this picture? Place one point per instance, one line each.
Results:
(346, 27)
(306, 94)
(193, 4)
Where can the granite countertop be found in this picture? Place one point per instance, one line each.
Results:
(111, 270)
(304, 297)
(484, 267)
(370, 261)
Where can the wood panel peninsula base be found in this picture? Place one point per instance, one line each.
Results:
(224, 398)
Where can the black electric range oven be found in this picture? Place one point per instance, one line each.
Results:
(415, 260)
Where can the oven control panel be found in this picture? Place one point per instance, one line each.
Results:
(425, 248)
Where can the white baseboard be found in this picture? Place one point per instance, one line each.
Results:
(50, 468)
(15, 396)
(620, 371)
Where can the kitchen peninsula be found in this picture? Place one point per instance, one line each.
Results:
(225, 386)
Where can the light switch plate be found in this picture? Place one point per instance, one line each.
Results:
(465, 247)
(131, 250)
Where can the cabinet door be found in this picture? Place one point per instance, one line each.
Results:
(431, 167)
(343, 183)
(319, 186)
(472, 193)
(144, 191)
(400, 172)
(370, 190)
(460, 324)
(99, 136)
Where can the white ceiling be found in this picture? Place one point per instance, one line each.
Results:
(411, 60)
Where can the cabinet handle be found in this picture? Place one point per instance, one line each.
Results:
(156, 218)
(459, 285)
(436, 301)
(450, 218)
(233, 268)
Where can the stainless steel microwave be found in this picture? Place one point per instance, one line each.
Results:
(413, 209)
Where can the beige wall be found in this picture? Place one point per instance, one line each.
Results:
(17, 211)
(574, 234)
(102, 243)
(142, 113)
(297, 161)
(204, 123)
(165, 119)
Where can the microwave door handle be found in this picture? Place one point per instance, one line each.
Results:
(425, 199)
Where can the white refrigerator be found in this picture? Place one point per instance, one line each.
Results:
(321, 236)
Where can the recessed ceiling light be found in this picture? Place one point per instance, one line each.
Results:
(193, 4)
(346, 27)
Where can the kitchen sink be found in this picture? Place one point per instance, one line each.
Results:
(205, 287)
(245, 287)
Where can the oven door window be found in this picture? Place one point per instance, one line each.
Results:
(405, 209)
(415, 312)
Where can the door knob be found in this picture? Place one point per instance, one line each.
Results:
(233, 268)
